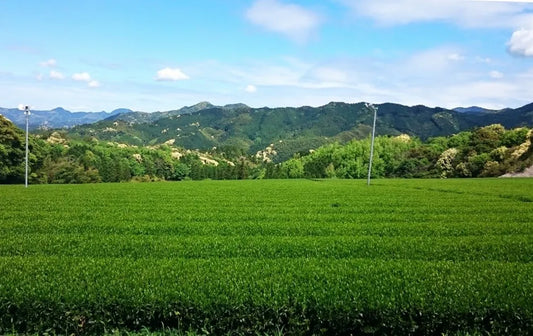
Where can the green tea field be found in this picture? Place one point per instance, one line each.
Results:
(297, 257)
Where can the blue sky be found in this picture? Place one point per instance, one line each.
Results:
(162, 55)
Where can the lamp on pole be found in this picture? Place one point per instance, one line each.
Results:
(27, 113)
(375, 109)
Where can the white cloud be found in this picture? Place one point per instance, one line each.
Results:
(56, 75)
(486, 60)
(329, 74)
(250, 88)
(482, 91)
(464, 13)
(521, 43)
(169, 74)
(511, 14)
(86, 77)
(437, 60)
(455, 57)
(268, 74)
(82, 77)
(291, 20)
(419, 78)
(49, 63)
(496, 74)
(530, 1)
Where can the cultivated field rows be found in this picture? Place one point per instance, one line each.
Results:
(312, 257)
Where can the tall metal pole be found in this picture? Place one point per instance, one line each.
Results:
(27, 113)
(375, 109)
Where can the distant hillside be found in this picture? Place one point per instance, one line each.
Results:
(147, 117)
(240, 128)
(293, 130)
(473, 109)
(522, 116)
(57, 157)
(57, 118)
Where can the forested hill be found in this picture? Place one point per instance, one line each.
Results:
(486, 151)
(57, 118)
(242, 128)
(61, 118)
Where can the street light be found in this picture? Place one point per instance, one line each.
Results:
(375, 109)
(27, 113)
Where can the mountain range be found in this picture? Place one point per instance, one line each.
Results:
(57, 118)
(61, 118)
(287, 130)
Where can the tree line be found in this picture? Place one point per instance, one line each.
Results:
(482, 152)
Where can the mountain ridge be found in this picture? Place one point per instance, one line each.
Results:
(61, 118)
(57, 117)
(474, 109)
(292, 129)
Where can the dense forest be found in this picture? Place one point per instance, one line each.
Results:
(54, 158)
(204, 126)
(483, 152)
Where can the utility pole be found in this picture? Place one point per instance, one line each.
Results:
(375, 109)
(27, 113)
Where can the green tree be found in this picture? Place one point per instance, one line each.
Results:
(66, 170)
(514, 137)
(487, 138)
(181, 171)
(330, 171)
(292, 169)
(12, 153)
